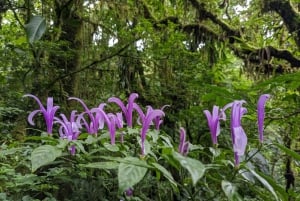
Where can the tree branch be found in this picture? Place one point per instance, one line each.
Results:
(205, 14)
(290, 16)
(267, 53)
(101, 60)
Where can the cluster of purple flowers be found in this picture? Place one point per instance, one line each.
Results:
(95, 119)
(238, 135)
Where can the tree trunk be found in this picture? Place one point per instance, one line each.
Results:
(70, 27)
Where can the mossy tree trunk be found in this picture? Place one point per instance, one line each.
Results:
(69, 25)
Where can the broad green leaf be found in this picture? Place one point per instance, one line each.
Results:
(62, 143)
(194, 167)
(259, 160)
(91, 139)
(230, 191)
(277, 188)
(79, 145)
(166, 141)
(110, 147)
(165, 172)
(128, 160)
(167, 155)
(288, 151)
(265, 183)
(43, 155)
(102, 165)
(35, 28)
(154, 135)
(129, 175)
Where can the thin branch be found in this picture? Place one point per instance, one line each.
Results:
(205, 14)
(272, 118)
(89, 66)
(290, 16)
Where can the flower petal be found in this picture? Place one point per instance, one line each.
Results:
(31, 115)
(240, 142)
(261, 114)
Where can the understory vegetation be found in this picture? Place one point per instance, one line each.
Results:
(149, 100)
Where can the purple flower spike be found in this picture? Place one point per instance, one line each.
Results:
(128, 109)
(147, 120)
(69, 129)
(47, 113)
(96, 122)
(183, 147)
(238, 135)
(213, 120)
(261, 115)
(111, 122)
(158, 120)
(129, 192)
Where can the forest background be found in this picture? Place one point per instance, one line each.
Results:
(188, 54)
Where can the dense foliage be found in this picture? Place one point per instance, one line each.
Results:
(187, 60)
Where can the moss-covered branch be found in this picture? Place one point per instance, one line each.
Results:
(289, 15)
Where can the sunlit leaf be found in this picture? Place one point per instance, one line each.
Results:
(128, 160)
(230, 191)
(43, 155)
(165, 172)
(194, 167)
(288, 151)
(129, 175)
(102, 165)
(110, 147)
(35, 28)
(265, 183)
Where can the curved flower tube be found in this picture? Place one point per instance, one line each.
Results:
(69, 129)
(147, 120)
(128, 109)
(48, 112)
(95, 121)
(213, 120)
(183, 147)
(261, 115)
(238, 135)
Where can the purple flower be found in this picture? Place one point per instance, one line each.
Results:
(129, 192)
(261, 115)
(47, 113)
(146, 122)
(111, 121)
(120, 124)
(95, 122)
(158, 120)
(213, 120)
(69, 129)
(238, 135)
(183, 147)
(128, 109)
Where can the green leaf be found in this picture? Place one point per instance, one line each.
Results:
(230, 191)
(194, 167)
(102, 165)
(79, 145)
(35, 28)
(288, 151)
(165, 172)
(43, 155)
(265, 183)
(128, 160)
(110, 147)
(129, 175)
(277, 188)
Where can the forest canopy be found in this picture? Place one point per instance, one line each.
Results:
(168, 60)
